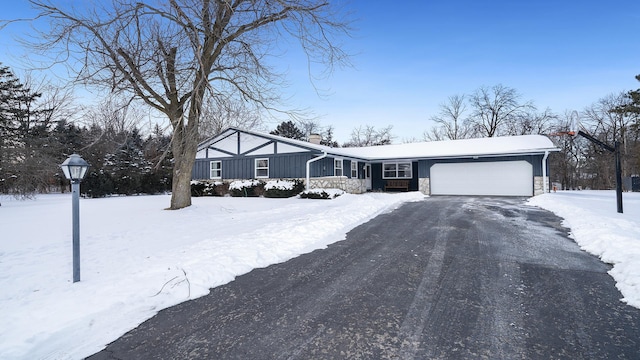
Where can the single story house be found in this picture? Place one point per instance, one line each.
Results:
(503, 166)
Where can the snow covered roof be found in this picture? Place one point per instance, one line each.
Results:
(507, 145)
(482, 147)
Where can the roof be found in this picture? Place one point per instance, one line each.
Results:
(481, 147)
(507, 145)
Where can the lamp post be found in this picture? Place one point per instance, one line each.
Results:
(74, 169)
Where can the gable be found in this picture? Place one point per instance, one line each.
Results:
(237, 143)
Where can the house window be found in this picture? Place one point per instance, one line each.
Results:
(262, 168)
(216, 170)
(399, 170)
(337, 167)
(354, 169)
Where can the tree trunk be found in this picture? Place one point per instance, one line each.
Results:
(181, 186)
(184, 146)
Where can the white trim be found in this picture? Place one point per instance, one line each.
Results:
(256, 168)
(397, 170)
(211, 169)
(268, 149)
(354, 167)
(335, 168)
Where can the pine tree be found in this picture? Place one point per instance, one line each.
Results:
(289, 130)
(127, 164)
(157, 151)
(24, 160)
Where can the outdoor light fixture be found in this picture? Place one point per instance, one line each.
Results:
(74, 169)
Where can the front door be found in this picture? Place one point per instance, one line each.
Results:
(367, 176)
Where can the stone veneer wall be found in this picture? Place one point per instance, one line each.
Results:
(352, 186)
(538, 185)
(423, 185)
(358, 186)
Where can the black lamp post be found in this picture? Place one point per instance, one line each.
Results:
(75, 168)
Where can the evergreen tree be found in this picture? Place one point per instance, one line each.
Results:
(289, 130)
(127, 164)
(25, 163)
(157, 151)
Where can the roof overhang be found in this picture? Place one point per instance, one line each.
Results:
(410, 152)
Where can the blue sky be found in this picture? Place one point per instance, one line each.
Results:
(411, 56)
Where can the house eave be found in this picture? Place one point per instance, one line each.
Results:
(461, 156)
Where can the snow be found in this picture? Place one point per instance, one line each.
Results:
(241, 184)
(600, 230)
(332, 193)
(137, 259)
(499, 145)
(279, 184)
(506, 145)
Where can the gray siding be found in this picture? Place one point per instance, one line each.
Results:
(294, 166)
(280, 166)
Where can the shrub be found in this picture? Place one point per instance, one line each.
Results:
(154, 183)
(207, 188)
(126, 185)
(221, 189)
(246, 188)
(283, 188)
(321, 194)
(197, 188)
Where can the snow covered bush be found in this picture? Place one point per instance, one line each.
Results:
(207, 188)
(321, 194)
(245, 188)
(283, 188)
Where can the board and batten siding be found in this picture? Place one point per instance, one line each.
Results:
(281, 166)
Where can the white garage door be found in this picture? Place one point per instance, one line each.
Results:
(506, 178)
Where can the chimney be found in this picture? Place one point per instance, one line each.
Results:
(315, 138)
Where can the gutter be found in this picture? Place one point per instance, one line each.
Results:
(324, 155)
(544, 172)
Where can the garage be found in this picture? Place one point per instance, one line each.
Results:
(501, 178)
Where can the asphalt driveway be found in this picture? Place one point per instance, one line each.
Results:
(447, 277)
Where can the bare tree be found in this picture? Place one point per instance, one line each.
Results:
(451, 123)
(369, 136)
(116, 115)
(568, 164)
(531, 121)
(311, 126)
(494, 108)
(173, 54)
(610, 126)
(221, 112)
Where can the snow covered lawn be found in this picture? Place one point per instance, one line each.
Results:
(137, 259)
